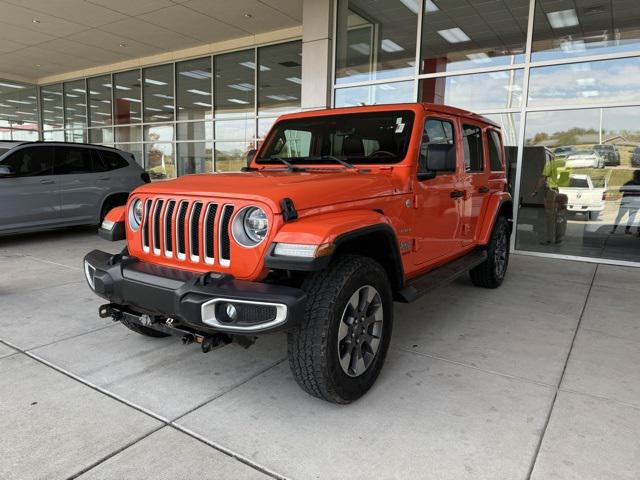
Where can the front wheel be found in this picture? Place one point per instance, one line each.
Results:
(338, 349)
(491, 272)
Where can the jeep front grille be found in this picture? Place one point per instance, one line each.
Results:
(192, 231)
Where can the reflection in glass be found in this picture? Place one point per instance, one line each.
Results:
(158, 93)
(18, 103)
(488, 34)
(128, 133)
(579, 183)
(280, 77)
(481, 91)
(158, 133)
(101, 135)
(53, 136)
(99, 100)
(235, 83)
(51, 105)
(25, 135)
(397, 92)
(195, 131)
(586, 83)
(127, 97)
(193, 89)
(376, 40)
(264, 125)
(75, 106)
(235, 130)
(510, 125)
(195, 157)
(76, 136)
(231, 156)
(568, 29)
(134, 148)
(159, 160)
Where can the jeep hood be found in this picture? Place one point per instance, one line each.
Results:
(307, 189)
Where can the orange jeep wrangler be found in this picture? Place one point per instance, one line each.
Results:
(339, 213)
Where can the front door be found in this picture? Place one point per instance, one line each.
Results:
(475, 179)
(438, 199)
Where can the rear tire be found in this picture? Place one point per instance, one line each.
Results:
(491, 272)
(339, 347)
(142, 330)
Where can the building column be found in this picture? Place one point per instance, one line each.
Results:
(317, 53)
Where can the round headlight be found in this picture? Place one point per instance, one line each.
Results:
(250, 226)
(135, 214)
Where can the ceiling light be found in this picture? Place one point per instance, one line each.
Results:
(151, 109)
(199, 92)
(105, 101)
(21, 102)
(252, 66)
(585, 81)
(102, 113)
(411, 5)
(154, 82)
(429, 6)
(122, 45)
(35, 20)
(197, 74)
(362, 48)
(454, 35)
(243, 87)
(120, 87)
(294, 80)
(81, 104)
(281, 98)
(162, 95)
(479, 57)
(202, 104)
(235, 100)
(248, 15)
(80, 90)
(134, 100)
(390, 46)
(10, 85)
(170, 107)
(563, 18)
(48, 111)
(386, 87)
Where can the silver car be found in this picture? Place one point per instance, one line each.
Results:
(46, 185)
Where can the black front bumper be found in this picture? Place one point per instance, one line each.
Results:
(195, 299)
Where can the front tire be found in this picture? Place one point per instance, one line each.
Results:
(491, 272)
(339, 347)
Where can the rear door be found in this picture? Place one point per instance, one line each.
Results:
(83, 183)
(31, 197)
(475, 179)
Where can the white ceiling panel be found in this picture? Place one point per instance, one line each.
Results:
(81, 12)
(90, 54)
(112, 42)
(145, 32)
(24, 17)
(292, 8)
(133, 8)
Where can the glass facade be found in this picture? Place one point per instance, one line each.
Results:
(18, 111)
(560, 77)
(193, 116)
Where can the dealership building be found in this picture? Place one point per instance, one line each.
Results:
(190, 86)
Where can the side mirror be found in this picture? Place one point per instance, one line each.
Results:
(250, 154)
(6, 171)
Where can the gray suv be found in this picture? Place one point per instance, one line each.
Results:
(47, 185)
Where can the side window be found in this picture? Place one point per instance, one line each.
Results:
(472, 145)
(495, 157)
(436, 132)
(73, 161)
(112, 160)
(31, 162)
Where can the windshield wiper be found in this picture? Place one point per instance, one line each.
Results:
(290, 166)
(339, 160)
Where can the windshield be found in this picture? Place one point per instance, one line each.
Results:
(364, 138)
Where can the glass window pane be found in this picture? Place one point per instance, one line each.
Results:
(129, 133)
(99, 100)
(101, 135)
(458, 36)
(158, 93)
(5, 134)
(159, 161)
(158, 133)
(195, 157)
(586, 83)
(397, 92)
(280, 77)
(127, 97)
(18, 103)
(375, 39)
(195, 131)
(25, 135)
(75, 104)
(264, 125)
(193, 88)
(235, 130)
(76, 136)
(51, 104)
(482, 91)
(566, 29)
(581, 183)
(54, 136)
(134, 148)
(235, 83)
(231, 156)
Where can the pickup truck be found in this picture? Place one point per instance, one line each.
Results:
(339, 213)
(583, 196)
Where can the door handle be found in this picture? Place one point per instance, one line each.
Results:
(457, 193)
(46, 182)
(483, 189)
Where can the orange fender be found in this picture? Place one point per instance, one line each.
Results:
(117, 214)
(498, 202)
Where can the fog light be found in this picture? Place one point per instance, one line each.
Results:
(89, 272)
(231, 311)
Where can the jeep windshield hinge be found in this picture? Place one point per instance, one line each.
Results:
(289, 211)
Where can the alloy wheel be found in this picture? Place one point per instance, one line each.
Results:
(501, 252)
(360, 331)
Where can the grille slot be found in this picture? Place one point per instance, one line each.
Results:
(155, 226)
(209, 232)
(145, 225)
(224, 244)
(180, 240)
(168, 231)
(194, 230)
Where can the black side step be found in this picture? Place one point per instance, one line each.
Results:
(440, 276)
